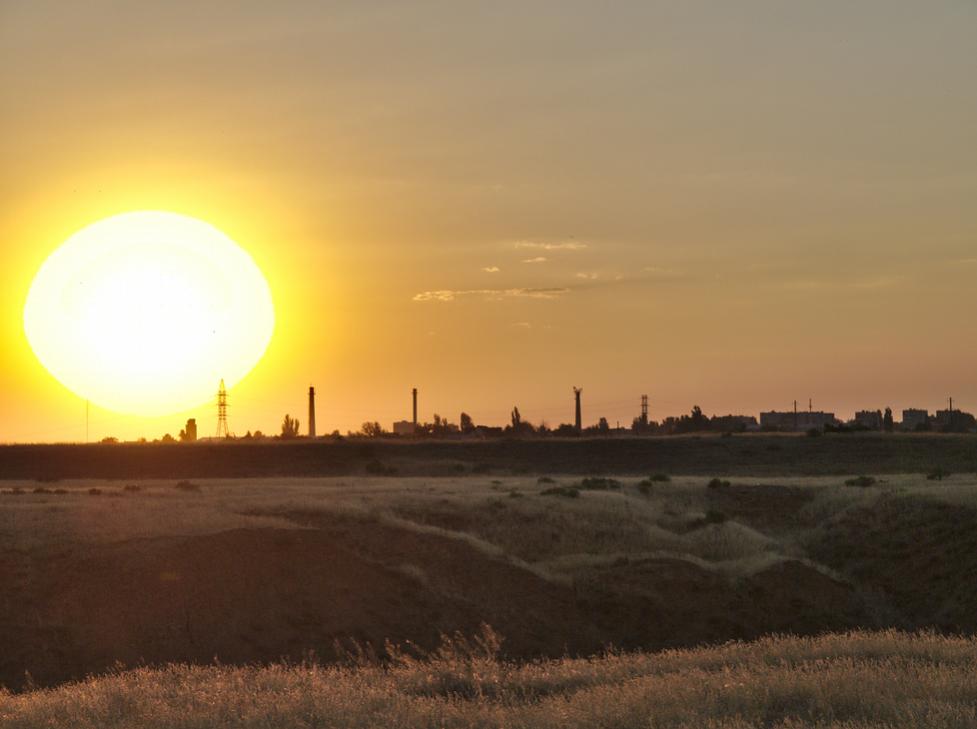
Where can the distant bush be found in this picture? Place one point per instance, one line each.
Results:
(814, 433)
(938, 474)
(187, 486)
(714, 516)
(481, 468)
(545, 479)
(513, 494)
(862, 481)
(599, 483)
(663, 477)
(42, 490)
(94, 492)
(377, 468)
(645, 486)
(131, 487)
(460, 467)
(718, 483)
(568, 492)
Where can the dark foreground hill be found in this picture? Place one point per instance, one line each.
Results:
(756, 455)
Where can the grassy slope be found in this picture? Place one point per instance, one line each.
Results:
(848, 680)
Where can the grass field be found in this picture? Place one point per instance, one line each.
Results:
(255, 570)
(755, 454)
(846, 681)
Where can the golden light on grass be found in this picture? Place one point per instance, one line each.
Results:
(145, 312)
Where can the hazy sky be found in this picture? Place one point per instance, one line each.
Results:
(725, 204)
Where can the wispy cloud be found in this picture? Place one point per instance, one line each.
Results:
(491, 269)
(588, 275)
(568, 245)
(446, 295)
(522, 325)
(537, 259)
(863, 284)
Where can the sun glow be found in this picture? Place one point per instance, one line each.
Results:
(146, 312)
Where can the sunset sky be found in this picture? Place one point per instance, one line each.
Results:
(725, 204)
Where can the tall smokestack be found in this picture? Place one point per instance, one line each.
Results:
(414, 393)
(577, 420)
(311, 412)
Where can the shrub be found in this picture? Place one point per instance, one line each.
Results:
(545, 479)
(131, 487)
(714, 516)
(513, 494)
(645, 486)
(94, 492)
(567, 492)
(938, 474)
(862, 481)
(718, 483)
(663, 477)
(42, 490)
(814, 433)
(187, 486)
(599, 483)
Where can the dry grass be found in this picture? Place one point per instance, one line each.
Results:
(863, 680)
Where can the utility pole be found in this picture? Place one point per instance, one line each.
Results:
(795, 414)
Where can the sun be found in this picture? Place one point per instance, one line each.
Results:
(144, 313)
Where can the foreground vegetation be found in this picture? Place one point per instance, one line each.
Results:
(863, 680)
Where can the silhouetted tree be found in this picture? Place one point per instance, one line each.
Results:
(603, 427)
(169, 438)
(887, 423)
(290, 427)
(372, 430)
(516, 419)
(699, 421)
(466, 423)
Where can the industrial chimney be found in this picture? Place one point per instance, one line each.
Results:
(576, 394)
(415, 409)
(311, 412)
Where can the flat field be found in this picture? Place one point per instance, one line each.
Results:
(101, 574)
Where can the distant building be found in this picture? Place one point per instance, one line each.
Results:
(733, 423)
(403, 427)
(799, 421)
(915, 419)
(955, 421)
(870, 419)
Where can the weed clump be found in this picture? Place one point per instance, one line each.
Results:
(94, 492)
(937, 474)
(718, 483)
(567, 492)
(714, 516)
(545, 479)
(599, 483)
(660, 477)
(861, 481)
(187, 486)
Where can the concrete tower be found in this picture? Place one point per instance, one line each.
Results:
(311, 412)
(414, 393)
(577, 420)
